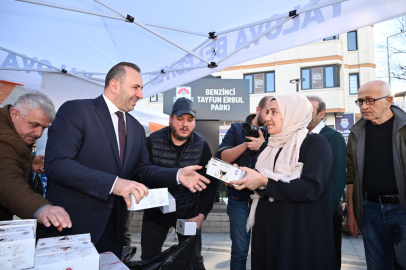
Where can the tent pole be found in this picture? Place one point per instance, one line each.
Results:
(155, 33)
(177, 62)
(253, 40)
(50, 66)
(29, 58)
(171, 70)
(47, 70)
(102, 14)
(304, 9)
(70, 8)
(28, 69)
(176, 29)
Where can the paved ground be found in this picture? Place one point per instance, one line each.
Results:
(217, 247)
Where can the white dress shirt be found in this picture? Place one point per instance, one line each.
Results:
(112, 110)
(318, 128)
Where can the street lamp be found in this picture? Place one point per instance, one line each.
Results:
(387, 50)
(297, 82)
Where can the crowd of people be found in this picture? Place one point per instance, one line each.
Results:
(288, 202)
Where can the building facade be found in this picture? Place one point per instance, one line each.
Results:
(332, 68)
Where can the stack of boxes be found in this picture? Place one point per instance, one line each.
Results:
(18, 250)
(17, 244)
(66, 252)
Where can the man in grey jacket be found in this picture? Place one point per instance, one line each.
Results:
(376, 174)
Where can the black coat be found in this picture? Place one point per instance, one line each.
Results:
(296, 230)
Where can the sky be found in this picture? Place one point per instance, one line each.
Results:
(381, 32)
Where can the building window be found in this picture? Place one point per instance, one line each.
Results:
(354, 83)
(157, 98)
(352, 41)
(320, 77)
(261, 82)
(330, 38)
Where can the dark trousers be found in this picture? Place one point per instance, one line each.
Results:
(337, 224)
(128, 216)
(109, 240)
(153, 237)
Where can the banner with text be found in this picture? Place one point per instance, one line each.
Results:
(214, 99)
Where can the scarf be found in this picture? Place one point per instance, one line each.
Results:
(296, 111)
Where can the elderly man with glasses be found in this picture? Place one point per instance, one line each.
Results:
(376, 175)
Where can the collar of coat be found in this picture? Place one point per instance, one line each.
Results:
(399, 121)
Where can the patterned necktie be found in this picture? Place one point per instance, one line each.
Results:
(121, 136)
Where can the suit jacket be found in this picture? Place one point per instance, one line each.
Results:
(337, 143)
(16, 196)
(82, 162)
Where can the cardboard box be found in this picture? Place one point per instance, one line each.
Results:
(62, 240)
(156, 197)
(17, 250)
(79, 259)
(63, 248)
(66, 252)
(109, 261)
(171, 207)
(11, 230)
(20, 222)
(185, 227)
(223, 170)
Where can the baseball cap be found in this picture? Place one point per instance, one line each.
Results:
(184, 105)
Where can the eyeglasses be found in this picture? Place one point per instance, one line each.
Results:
(368, 101)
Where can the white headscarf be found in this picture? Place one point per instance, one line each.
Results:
(296, 111)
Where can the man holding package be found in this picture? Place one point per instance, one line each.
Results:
(20, 126)
(94, 147)
(177, 146)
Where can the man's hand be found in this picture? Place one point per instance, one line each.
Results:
(38, 164)
(255, 143)
(199, 220)
(125, 187)
(54, 215)
(352, 224)
(191, 179)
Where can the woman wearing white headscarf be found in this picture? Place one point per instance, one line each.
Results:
(292, 226)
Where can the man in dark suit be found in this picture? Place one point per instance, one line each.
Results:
(93, 148)
(337, 143)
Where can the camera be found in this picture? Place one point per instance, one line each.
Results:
(253, 131)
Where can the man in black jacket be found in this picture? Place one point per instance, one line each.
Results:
(337, 143)
(177, 146)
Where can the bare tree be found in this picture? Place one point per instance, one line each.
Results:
(397, 50)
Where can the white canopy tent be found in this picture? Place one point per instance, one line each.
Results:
(174, 42)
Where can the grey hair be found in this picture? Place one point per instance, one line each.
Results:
(322, 104)
(386, 89)
(35, 100)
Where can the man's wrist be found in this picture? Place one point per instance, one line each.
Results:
(177, 176)
(111, 191)
(39, 209)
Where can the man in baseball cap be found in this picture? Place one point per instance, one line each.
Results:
(178, 145)
(183, 106)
